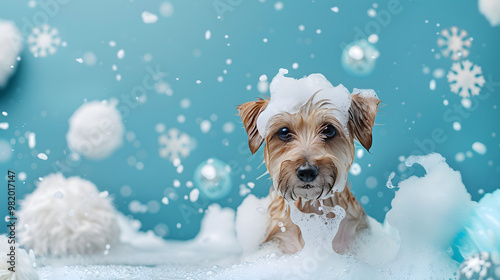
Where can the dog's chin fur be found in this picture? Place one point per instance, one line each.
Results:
(291, 188)
(332, 156)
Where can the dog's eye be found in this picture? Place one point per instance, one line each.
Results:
(284, 134)
(329, 131)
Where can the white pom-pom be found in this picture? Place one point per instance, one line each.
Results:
(10, 47)
(24, 263)
(95, 129)
(491, 10)
(67, 216)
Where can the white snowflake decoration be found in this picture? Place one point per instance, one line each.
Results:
(455, 43)
(477, 264)
(175, 144)
(465, 78)
(44, 40)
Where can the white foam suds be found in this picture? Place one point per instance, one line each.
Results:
(194, 194)
(251, 223)
(413, 243)
(148, 17)
(318, 231)
(31, 140)
(120, 54)
(479, 148)
(289, 95)
(428, 212)
(43, 156)
(389, 180)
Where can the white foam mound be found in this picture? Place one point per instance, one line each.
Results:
(428, 212)
(288, 95)
(491, 10)
(252, 220)
(432, 208)
(378, 245)
(96, 129)
(131, 235)
(67, 216)
(24, 262)
(217, 227)
(10, 47)
(215, 244)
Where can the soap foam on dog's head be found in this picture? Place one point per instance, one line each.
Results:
(289, 95)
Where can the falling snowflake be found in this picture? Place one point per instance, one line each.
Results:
(44, 40)
(476, 267)
(455, 43)
(175, 144)
(465, 78)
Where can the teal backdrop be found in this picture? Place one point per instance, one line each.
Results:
(200, 77)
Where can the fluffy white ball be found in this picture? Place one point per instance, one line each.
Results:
(96, 129)
(10, 47)
(67, 216)
(491, 10)
(25, 263)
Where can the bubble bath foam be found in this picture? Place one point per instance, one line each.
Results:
(413, 243)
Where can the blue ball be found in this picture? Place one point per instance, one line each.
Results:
(213, 178)
(359, 58)
(482, 231)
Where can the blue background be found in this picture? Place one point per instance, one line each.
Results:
(58, 85)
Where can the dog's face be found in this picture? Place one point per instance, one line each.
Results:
(308, 154)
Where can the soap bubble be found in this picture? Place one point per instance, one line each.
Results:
(166, 9)
(205, 126)
(125, 191)
(359, 58)
(355, 169)
(58, 195)
(153, 206)
(228, 127)
(213, 178)
(161, 229)
(371, 182)
(460, 157)
(365, 200)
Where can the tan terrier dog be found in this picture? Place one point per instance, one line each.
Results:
(307, 154)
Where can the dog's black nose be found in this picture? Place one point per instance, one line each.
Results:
(307, 172)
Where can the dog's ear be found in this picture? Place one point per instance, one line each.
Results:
(362, 117)
(249, 112)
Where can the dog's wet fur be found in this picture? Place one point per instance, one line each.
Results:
(309, 146)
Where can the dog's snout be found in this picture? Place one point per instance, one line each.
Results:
(307, 172)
